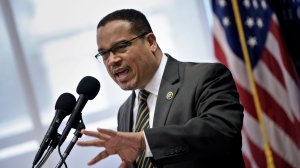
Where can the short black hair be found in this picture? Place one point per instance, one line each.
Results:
(138, 21)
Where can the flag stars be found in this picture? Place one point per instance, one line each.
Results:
(246, 3)
(252, 42)
(259, 23)
(255, 4)
(222, 3)
(264, 4)
(226, 21)
(249, 22)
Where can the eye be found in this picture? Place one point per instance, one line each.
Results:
(121, 47)
(103, 53)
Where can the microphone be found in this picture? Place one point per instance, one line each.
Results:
(64, 105)
(87, 89)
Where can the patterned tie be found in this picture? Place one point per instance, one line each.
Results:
(142, 122)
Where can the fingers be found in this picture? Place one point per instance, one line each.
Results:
(106, 134)
(100, 156)
(91, 133)
(95, 142)
(104, 138)
(99, 142)
(107, 131)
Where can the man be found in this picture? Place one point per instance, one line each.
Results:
(188, 114)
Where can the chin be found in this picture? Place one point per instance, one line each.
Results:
(127, 87)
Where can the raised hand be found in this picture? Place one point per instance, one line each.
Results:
(127, 145)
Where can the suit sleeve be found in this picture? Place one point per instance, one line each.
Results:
(213, 131)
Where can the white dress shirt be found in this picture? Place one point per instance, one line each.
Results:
(153, 88)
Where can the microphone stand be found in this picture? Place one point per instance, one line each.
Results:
(53, 145)
(77, 135)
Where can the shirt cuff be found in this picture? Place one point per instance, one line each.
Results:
(148, 152)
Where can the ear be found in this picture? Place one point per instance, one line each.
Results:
(151, 40)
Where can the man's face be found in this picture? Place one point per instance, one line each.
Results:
(130, 66)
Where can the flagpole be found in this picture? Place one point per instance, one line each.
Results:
(267, 149)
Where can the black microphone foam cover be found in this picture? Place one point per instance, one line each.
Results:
(65, 102)
(88, 86)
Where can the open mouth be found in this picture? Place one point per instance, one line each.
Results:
(122, 74)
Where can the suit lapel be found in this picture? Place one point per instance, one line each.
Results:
(128, 117)
(167, 92)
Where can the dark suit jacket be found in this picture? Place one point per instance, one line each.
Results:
(200, 126)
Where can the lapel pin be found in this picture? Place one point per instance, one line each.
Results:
(169, 95)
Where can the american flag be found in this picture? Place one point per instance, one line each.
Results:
(276, 83)
(288, 14)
